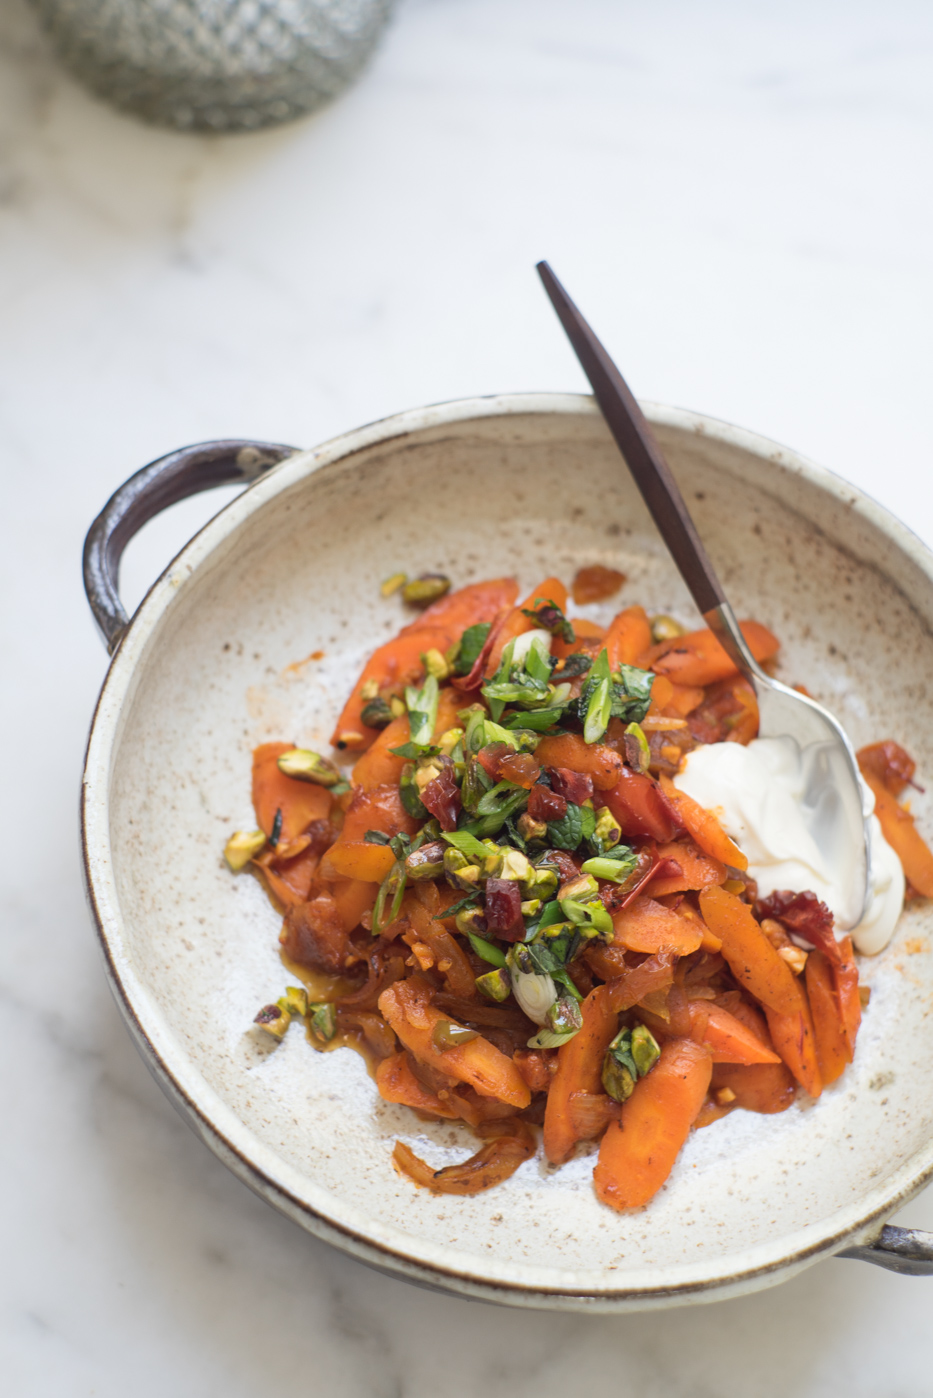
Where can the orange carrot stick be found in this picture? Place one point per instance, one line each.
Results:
(468, 606)
(355, 859)
(407, 1007)
(300, 802)
(759, 1087)
(832, 1049)
(897, 825)
(699, 659)
(698, 870)
(637, 1154)
(793, 1038)
(569, 750)
(579, 1069)
(629, 634)
(703, 826)
(397, 1083)
(726, 1037)
(751, 957)
(648, 926)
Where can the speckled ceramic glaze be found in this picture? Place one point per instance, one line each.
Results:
(219, 658)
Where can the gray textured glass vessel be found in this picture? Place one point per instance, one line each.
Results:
(215, 65)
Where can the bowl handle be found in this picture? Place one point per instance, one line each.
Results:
(160, 484)
(907, 1250)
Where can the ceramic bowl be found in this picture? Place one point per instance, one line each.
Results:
(257, 630)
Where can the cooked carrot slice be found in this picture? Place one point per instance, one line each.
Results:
(379, 809)
(897, 825)
(579, 1069)
(751, 957)
(492, 1163)
(832, 1048)
(683, 700)
(698, 659)
(793, 1038)
(353, 898)
(760, 1087)
(377, 766)
(726, 1037)
(845, 975)
(698, 870)
(300, 802)
(637, 1154)
(629, 634)
(408, 1009)
(355, 859)
(397, 1083)
(703, 826)
(468, 606)
(569, 750)
(648, 926)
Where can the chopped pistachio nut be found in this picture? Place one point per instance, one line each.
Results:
(426, 770)
(531, 829)
(545, 883)
(426, 862)
(449, 740)
(376, 713)
(564, 1016)
(393, 584)
(243, 846)
(508, 863)
(274, 1020)
(397, 706)
(459, 871)
(725, 1096)
(350, 738)
(307, 766)
(617, 1079)
(531, 907)
(645, 1050)
(665, 628)
(428, 588)
(637, 751)
(369, 689)
(864, 995)
(322, 1020)
(608, 831)
(471, 921)
(446, 1035)
(495, 985)
(794, 957)
(296, 1000)
(435, 664)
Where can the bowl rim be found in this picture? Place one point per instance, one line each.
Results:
(220, 1127)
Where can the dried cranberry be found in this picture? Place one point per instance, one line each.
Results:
(490, 757)
(889, 764)
(567, 867)
(504, 909)
(442, 798)
(573, 786)
(544, 804)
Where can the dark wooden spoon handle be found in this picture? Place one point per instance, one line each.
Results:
(652, 474)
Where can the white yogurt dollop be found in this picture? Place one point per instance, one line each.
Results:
(756, 793)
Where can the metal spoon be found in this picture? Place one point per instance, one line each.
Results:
(833, 803)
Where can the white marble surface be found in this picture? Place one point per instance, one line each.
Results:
(739, 196)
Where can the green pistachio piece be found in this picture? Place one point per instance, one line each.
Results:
(426, 862)
(435, 664)
(531, 829)
(274, 1020)
(393, 584)
(428, 588)
(665, 628)
(459, 871)
(307, 766)
(377, 713)
(495, 985)
(616, 1079)
(409, 794)
(608, 831)
(637, 751)
(645, 1050)
(449, 740)
(322, 1020)
(583, 886)
(296, 1000)
(471, 922)
(242, 847)
(446, 1035)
